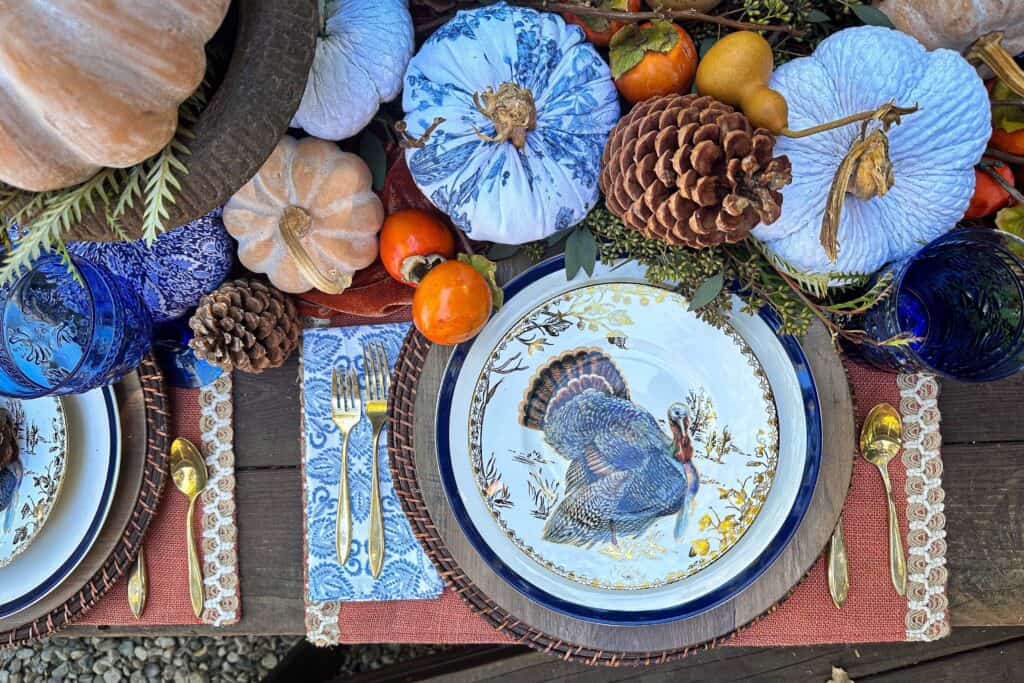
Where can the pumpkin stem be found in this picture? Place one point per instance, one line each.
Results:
(989, 50)
(511, 109)
(888, 112)
(865, 172)
(294, 224)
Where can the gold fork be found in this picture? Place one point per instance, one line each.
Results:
(378, 381)
(346, 411)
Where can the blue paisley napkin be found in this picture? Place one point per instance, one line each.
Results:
(407, 572)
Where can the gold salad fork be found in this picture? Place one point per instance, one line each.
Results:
(378, 381)
(346, 411)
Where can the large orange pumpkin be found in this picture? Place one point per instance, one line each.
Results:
(93, 84)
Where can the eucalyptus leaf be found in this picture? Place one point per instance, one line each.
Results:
(588, 250)
(705, 45)
(872, 16)
(500, 252)
(706, 293)
(572, 255)
(371, 150)
(816, 16)
(629, 45)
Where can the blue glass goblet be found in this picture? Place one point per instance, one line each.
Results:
(61, 336)
(961, 299)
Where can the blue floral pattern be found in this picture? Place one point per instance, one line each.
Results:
(492, 190)
(407, 572)
(181, 266)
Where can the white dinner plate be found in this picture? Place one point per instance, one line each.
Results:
(703, 472)
(93, 463)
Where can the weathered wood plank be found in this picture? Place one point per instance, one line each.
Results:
(982, 413)
(267, 417)
(875, 661)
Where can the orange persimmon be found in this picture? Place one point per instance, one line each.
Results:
(657, 72)
(452, 303)
(414, 233)
(989, 196)
(601, 38)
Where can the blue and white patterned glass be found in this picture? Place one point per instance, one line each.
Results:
(962, 300)
(61, 336)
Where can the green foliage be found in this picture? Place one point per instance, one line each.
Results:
(690, 271)
(46, 217)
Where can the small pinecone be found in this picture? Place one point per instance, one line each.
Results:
(8, 439)
(247, 325)
(692, 170)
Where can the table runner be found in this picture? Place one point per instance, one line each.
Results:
(204, 416)
(873, 611)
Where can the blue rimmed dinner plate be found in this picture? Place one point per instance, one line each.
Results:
(93, 463)
(615, 458)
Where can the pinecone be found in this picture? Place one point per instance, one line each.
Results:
(247, 325)
(8, 439)
(692, 170)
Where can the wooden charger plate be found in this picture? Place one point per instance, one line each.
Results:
(143, 409)
(417, 481)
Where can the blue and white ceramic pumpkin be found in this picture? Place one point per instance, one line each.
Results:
(180, 267)
(523, 106)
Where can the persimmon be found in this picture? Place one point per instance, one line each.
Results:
(411, 242)
(452, 303)
(656, 58)
(599, 30)
(989, 196)
(1008, 142)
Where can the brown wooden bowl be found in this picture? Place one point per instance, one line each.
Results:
(270, 44)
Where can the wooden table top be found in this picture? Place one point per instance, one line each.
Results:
(982, 452)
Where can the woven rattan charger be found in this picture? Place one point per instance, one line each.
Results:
(143, 409)
(413, 458)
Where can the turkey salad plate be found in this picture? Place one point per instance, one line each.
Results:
(617, 459)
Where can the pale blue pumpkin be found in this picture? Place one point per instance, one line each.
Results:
(493, 189)
(933, 151)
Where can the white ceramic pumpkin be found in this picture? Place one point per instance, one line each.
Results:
(360, 59)
(308, 218)
(932, 151)
(515, 107)
(93, 84)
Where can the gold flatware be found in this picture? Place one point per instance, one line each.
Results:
(188, 469)
(838, 570)
(881, 439)
(346, 411)
(378, 381)
(137, 585)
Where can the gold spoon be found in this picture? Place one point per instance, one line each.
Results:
(880, 441)
(189, 473)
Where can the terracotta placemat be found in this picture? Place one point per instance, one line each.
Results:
(144, 408)
(873, 610)
(204, 416)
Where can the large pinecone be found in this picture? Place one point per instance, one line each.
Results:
(692, 170)
(247, 325)
(8, 439)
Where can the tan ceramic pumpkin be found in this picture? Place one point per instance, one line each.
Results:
(88, 84)
(956, 24)
(309, 219)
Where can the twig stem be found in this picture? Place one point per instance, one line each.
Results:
(1004, 156)
(990, 170)
(628, 17)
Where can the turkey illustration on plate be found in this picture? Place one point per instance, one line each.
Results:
(604, 455)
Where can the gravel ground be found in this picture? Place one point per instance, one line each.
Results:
(141, 660)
